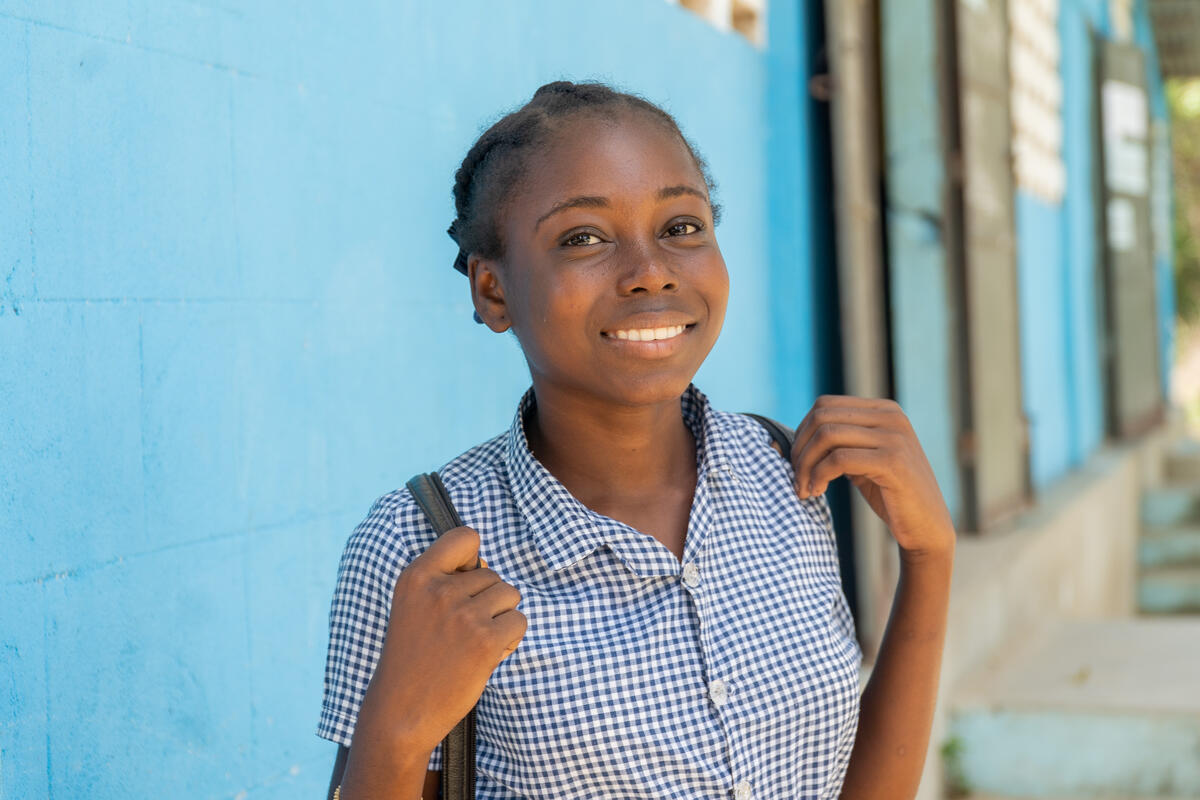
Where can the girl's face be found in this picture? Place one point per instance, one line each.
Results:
(612, 278)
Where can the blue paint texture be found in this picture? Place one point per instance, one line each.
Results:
(1045, 336)
(228, 322)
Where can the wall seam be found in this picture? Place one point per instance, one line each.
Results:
(46, 684)
(29, 157)
(122, 42)
(96, 566)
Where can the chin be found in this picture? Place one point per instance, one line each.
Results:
(650, 389)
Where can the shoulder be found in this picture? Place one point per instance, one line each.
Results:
(746, 442)
(748, 445)
(396, 531)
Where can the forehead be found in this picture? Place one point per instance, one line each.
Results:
(620, 157)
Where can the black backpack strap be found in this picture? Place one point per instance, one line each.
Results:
(781, 435)
(431, 495)
(458, 748)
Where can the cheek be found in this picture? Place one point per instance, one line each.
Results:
(719, 290)
(553, 315)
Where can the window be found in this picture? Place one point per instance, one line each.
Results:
(1036, 98)
(745, 17)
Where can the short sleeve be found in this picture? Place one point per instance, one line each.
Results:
(358, 616)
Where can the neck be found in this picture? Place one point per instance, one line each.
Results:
(604, 453)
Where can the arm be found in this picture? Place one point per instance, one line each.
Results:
(897, 705)
(420, 688)
(872, 443)
(433, 780)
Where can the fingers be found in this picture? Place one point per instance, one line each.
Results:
(856, 461)
(824, 440)
(864, 411)
(456, 549)
(839, 421)
(497, 599)
(511, 627)
(474, 582)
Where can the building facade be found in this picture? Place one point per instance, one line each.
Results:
(227, 289)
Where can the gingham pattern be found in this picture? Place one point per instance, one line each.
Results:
(733, 673)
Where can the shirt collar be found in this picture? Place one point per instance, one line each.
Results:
(562, 528)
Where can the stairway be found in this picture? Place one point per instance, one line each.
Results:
(1169, 549)
(1100, 708)
(1096, 709)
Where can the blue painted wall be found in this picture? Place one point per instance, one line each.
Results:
(1057, 250)
(1058, 278)
(1059, 285)
(1045, 308)
(225, 288)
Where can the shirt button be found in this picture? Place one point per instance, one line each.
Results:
(742, 791)
(718, 692)
(691, 575)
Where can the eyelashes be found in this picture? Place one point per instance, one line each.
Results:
(576, 239)
(677, 228)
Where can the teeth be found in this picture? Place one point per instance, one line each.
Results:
(650, 334)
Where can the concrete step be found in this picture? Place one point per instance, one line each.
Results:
(1170, 590)
(1171, 506)
(1181, 462)
(1095, 709)
(1170, 547)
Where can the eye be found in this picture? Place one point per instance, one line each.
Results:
(683, 228)
(581, 239)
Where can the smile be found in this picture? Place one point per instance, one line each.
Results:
(647, 334)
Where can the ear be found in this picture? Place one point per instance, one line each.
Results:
(487, 292)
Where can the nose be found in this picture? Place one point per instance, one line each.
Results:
(647, 271)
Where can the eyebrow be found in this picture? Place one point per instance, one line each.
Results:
(584, 201)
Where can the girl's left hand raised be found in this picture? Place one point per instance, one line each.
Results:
(873, 444)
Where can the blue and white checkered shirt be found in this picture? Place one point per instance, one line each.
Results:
(733, 673)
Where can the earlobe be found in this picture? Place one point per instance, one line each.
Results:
(487, 293)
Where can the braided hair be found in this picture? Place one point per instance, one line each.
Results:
(497, 160)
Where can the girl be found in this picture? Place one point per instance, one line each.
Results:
(665, 616)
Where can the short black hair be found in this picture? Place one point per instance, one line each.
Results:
(497, 160)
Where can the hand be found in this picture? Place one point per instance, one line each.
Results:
(450, 626)
(873, 444)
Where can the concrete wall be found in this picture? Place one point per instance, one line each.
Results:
(228, 322)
